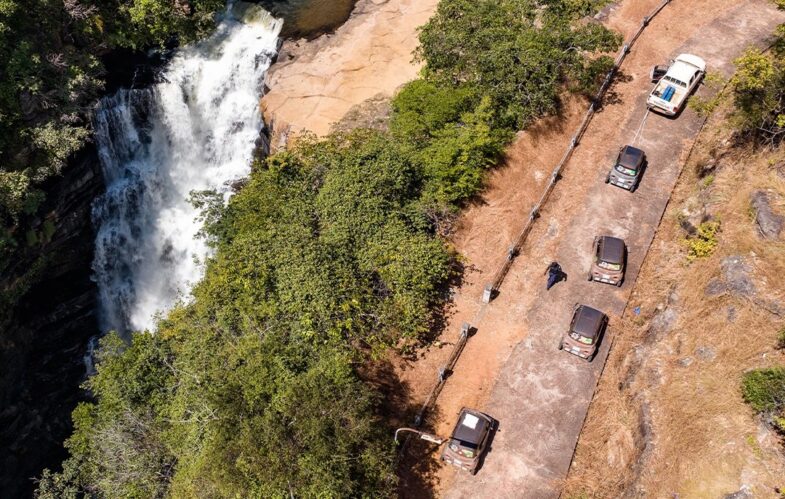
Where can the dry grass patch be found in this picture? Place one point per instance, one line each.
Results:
(668, 417)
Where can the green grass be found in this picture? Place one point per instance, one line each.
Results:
(764, 389)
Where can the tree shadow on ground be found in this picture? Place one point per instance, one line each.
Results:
(442, 314)
(541, 129)
(418, 464)
(612, 96)
(417, 460)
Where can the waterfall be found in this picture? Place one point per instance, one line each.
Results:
(194, 131)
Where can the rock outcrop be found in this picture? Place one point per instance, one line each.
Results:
(316, 82)
(49, 316)
(770, 223)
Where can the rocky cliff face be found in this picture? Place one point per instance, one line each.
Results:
(48, 318)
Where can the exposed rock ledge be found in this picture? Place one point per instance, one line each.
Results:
(315, 83)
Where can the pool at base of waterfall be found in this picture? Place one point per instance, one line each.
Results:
(309, 18)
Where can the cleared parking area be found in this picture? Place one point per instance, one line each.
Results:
(542, 395)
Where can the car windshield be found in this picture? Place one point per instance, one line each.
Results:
(609, 266)
(466, 449)
(625, 170)
(582, 339)
(675, 81)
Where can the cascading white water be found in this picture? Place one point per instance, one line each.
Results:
(194, 131)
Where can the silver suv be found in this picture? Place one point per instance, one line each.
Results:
(627, 171)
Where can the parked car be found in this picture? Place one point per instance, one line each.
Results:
(671, 92)
(628, 169)
(469, 440)
(585, 333)
(610, 260)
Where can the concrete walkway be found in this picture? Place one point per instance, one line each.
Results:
(542, 395)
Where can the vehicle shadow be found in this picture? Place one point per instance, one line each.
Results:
(642, 174)
(491, 437)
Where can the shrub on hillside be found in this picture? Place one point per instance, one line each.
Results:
(703, 243)
(758, 88)
(764, 391)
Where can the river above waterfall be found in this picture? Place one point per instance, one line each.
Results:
(194, 131)
(309, 18)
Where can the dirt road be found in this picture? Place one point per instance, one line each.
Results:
(541, 395)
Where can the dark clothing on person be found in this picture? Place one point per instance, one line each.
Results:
(555, 274)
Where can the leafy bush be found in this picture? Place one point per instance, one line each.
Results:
(764, 391)
(257, 416)
(758, 88)
(517, 52)
(704, 242)
(422, 108)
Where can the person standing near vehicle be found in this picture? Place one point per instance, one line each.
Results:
(555, 274)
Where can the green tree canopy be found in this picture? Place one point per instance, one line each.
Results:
(327, 258)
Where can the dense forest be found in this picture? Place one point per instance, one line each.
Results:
(330, 255)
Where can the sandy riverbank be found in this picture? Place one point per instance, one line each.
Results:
(315, 83)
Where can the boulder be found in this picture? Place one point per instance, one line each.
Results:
(705, 353)
(770, 223)
(715, 287)
(737, 276)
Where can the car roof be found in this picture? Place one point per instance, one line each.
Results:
(630, 157)
(611, 249)
(587, 321)
(693, 60)
(683, 68)
(471, 427)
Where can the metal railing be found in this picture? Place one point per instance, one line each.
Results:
(493, 287)
(513, 250)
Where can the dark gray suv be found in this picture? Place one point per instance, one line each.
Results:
(586, 330)
(469, 440)
(626, 173)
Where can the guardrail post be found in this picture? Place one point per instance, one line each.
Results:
(442, 374)
(487, 293)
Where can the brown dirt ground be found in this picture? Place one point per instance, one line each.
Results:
(486, 228)
(704, 441)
